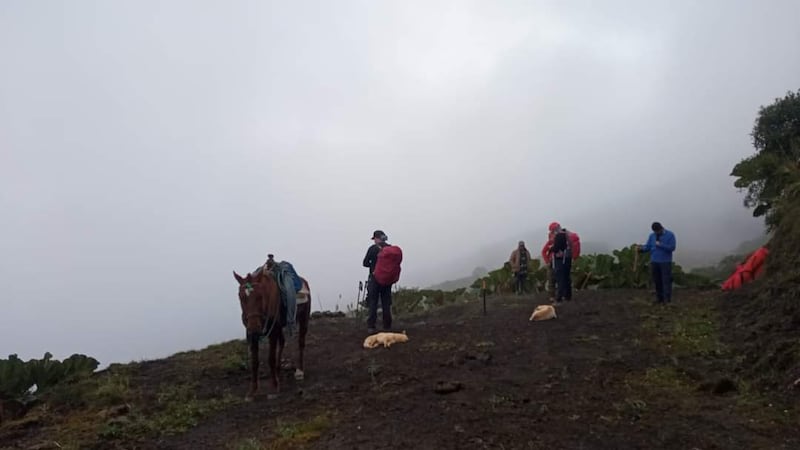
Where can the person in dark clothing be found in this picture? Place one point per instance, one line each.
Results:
(561, 258)
(661, 243)
(375, 291)
(519, 266)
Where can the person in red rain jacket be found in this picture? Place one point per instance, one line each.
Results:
(548, 260)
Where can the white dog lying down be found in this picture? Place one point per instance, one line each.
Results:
(387, 339)
(543, 312)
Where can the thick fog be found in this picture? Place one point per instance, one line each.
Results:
(147, 149)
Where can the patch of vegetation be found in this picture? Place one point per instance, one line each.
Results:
(583, 339)
(24, 384)
(107, 389)
(179, 409)
(374, 369)
(108, 408)
(437, 346)
(229, 356)
(498, 401)
(247, 444)
(483, 345)
(691, 362)
(622, 269)
(691, 330)
(17, 377)
(112, 389)
(176, 410)
(407, 300)
(772, 174)
(665, 377)
(300, 434)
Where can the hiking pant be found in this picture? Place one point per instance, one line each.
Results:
(551, 280)
(662, 279)
(384, 293)
(563, 268)
(519, 287)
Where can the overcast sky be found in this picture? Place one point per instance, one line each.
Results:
(147, 149)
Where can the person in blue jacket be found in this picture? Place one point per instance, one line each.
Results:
(660, 244)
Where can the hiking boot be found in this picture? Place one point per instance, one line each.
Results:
(371, 330)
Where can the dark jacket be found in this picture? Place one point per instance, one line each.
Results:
(560, 247)
(372, 256)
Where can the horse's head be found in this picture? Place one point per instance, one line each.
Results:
(259, 298)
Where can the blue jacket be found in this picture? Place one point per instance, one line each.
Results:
(662, 252)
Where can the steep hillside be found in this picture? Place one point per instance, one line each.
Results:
(764, 317)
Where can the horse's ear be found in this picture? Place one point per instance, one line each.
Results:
(238, 277)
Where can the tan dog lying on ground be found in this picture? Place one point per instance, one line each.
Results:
(543, 312)
(387, 339)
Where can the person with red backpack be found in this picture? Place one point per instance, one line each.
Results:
(560, 251)
(383, 261)
(548, 260)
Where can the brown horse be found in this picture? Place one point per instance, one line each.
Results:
(262, 310)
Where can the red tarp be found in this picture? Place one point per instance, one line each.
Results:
(749, 271)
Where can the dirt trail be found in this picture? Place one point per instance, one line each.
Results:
(613, 371)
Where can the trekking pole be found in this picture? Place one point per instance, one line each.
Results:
(483, 289)
(586, 281)
(358, 298)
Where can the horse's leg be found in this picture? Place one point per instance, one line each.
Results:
(253, 341)
(273, 369)
(281, 345)
(302, 320)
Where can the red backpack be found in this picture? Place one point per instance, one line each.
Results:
(575, 244)
(387, 268)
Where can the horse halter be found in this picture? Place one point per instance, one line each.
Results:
(248, 290)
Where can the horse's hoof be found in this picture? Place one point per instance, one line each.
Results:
(299, 375)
